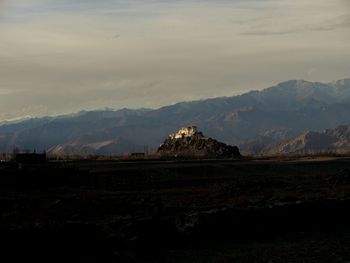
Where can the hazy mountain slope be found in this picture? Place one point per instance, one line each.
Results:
(337, 139)
(82, 128)
(107, 147)
(295, 106)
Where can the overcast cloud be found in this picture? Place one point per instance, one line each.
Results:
(64, 56)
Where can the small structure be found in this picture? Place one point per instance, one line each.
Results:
(184, 132)
(30, 158)
(138, 155)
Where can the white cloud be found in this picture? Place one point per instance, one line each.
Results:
(5, 91)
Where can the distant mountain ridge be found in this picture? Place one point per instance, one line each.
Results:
(252, 121)
(329, 140)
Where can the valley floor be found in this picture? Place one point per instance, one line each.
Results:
(273, 210)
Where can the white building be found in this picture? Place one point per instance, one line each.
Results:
(184, 132)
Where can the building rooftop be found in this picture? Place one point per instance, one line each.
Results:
(184, 132)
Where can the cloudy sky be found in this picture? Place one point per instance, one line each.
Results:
(60, 56)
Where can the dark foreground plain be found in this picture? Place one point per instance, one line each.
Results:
(291, 210)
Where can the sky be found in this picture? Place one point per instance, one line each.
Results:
(62, 56)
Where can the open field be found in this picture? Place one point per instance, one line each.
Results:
(290, 210)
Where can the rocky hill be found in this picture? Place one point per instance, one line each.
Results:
(329, 140)
(189, 142)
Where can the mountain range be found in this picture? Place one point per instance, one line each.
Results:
(335, 140)
(254, 121)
